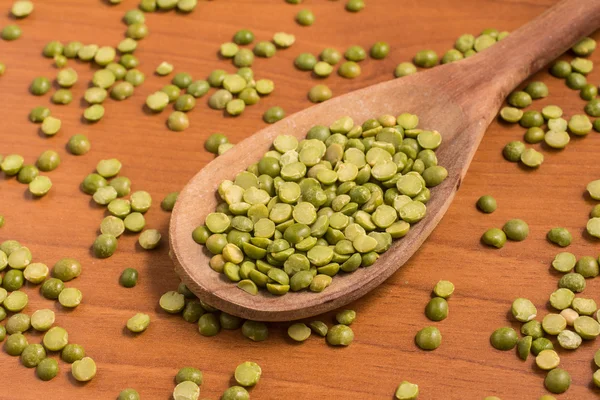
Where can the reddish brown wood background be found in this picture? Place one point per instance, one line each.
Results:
(65, 222)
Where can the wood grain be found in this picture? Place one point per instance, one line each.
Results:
(65, 222)
(460, 100)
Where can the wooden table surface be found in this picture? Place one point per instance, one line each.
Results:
(65, 222)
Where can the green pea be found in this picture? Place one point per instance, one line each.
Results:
(485, 41)
(532, 328)
(40, 186)
(319, 93)
(494, 237)
(84, 370)
(340, 335)
(72, 352)
(537, 90)
(39, 114)
(208, 325)
(172, 302)
(21, 8)
(243, 58)
(87, 52)
(52, 288)
(248, 373)
(562, 298)
(305, 62)
(405, 69)
(593, 108)
(504, 339)
(243, 37)
(426, 59)
(519, 99)
(18, 323)
(557, 381)
(452, 55)
(198, 88)
(355, 5)
(576, 81)
(189, 374)
(236, 393)
(487, 204)
(428, 338)
(349, 70)
(70, 50)
(572, 281)
(214, 141)
(128, 61)
(11, 32)
(27, 174)
(380, 50)
(588, 92)
(47, 369)
(331, 56)
(94, 113)
(157, 101)
(584, 47)
(135, 77)
(105, 246)
(273, 115)
(138, 323)
(182, 80)
(219, 99)
(531, 119)
(534, 135)
(560, 236)
(516, 229)
(553, 324)
(178, 121)
(355, 53)
(40, 86)
(149, 239)
(587, 267)
(437, 309)
(78, 145)
(66, 269)
(129, 394)
(265, 49)
(49, 160)
(305, 18)
(187, 6)
(56, 339)
(185, 103)
(32, 355)
(513, 151)
(15, 344)
(129, 278)
(407, 391)
(121, 91)
(255, 331)
(137, 31)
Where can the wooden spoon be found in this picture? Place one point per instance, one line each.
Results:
(458, 99)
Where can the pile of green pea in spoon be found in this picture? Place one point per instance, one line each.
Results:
(329, 203)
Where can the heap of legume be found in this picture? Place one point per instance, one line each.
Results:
(108, 189)
(39, 185)
(559, 128)
(16, 261)
(331, 202)
(465, 46)
(577, 319)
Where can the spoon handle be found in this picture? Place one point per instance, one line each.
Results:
(502, 67)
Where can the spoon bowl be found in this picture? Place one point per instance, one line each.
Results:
(459, 100)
